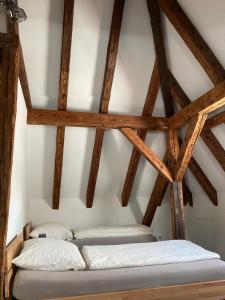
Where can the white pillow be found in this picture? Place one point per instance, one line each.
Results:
(49, 255)
(52, 230)
(111, 231)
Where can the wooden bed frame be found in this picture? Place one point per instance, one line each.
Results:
(214, 290)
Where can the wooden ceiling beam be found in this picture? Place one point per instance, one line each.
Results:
(176, 188)
(158, 193)
(8, 41)
(187, 147)
(203, 181)
(207, 136)
(157, 196)
(215, 121)
(13, 29)
(158, 36)
(9, 72)
(147, 152)
(193, 40)
(212, 100)
(95, 120)
(113, 44)
(136, 155)
(63, 96)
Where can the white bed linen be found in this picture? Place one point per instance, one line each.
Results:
(111, 231)
(144, 254)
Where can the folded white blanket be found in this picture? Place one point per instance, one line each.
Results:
(111, 231)
(144, 254)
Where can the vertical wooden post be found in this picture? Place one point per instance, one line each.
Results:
(176, 189)
(9, 72)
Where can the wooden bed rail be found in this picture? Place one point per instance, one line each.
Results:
(13, 250)
(214, 290)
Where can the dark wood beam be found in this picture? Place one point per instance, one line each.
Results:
(95, 120)
(205, 104)
(8, 41)
(188, 198)
(13, 29)
(106, 93)
(193, 131)
(136, 155)
(176, 188)
(193, 40)
(177, 210)
(215, 121)
(9, 71)
(147, 152)
(157, 30)
(158, 36)
(63, 95)
(203, 181)
(158, 192)
(207, 136)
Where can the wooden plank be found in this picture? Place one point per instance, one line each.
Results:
(147, 152)
(8, 41)
(193, 40)
(95, 120)
(157, 30)
(177, 210)
(203, 181)
(215, 121)
(13, 28)
(135, 156)
(214, 290)
(176, 188)
(214, 146)
(212, 100)
(157, 196)
(9, 71)
(63, 95)
(105, 96)
(207, 136)
(192, 134)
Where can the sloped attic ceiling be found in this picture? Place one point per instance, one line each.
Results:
(135, 61)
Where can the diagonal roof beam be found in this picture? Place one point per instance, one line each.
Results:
(212, 100)
(156, 24)
(136, 155)
(147, 152)
(215, 121)
(192, 134)
(158, 36)
(203, 181)
(8, 41)
(13, 28)
(193, 40)
(63, 95)
(207, 136)
(105, 97)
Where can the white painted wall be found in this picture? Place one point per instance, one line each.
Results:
(18, 210)
(41, 39)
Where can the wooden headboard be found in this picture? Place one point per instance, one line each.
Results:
(11, 251)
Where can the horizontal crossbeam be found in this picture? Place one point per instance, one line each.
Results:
(95, 120)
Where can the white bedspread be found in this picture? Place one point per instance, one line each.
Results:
(144, 254)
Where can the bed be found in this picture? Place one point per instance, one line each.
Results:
(203, 278)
